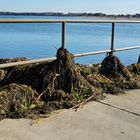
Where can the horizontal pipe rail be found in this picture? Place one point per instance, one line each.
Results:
(13, 64)
(92, 53)
(65, 20)
(127, 48)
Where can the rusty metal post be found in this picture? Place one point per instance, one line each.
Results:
(112, 38)
(63, 35)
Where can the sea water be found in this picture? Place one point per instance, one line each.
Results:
(41, 40)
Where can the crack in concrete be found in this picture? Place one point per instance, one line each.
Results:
(119, 108)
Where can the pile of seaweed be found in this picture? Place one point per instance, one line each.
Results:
(35, 89)
(111, 76)
(41, 88)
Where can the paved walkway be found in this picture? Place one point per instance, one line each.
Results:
(115, 118)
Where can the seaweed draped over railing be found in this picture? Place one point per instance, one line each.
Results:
(63, 45)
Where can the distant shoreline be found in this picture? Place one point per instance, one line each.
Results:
(100, 15)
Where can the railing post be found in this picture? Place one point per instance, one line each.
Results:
(112, 38)
(139, 59)
(63, 35)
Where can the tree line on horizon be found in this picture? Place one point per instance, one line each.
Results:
(137, 15)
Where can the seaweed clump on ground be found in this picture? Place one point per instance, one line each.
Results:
(29, 75)
(58, 84)
(4, 72)
(112, 68)
(36, 89)
(18, 101)
(10, 60)
(111, 76)
(135, 70)
(65, 76)
(121, 76)
(101, 82)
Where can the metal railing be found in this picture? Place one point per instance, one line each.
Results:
(63, 22)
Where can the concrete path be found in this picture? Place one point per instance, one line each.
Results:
(115, 118)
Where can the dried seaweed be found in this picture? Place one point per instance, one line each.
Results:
(17, 101)
(35, 89)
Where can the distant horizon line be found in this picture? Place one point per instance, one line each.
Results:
(65, 13)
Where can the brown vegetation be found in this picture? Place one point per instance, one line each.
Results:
(36, 89)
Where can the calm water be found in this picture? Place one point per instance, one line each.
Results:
(42, 40)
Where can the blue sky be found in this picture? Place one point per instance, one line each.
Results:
(106, 6)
